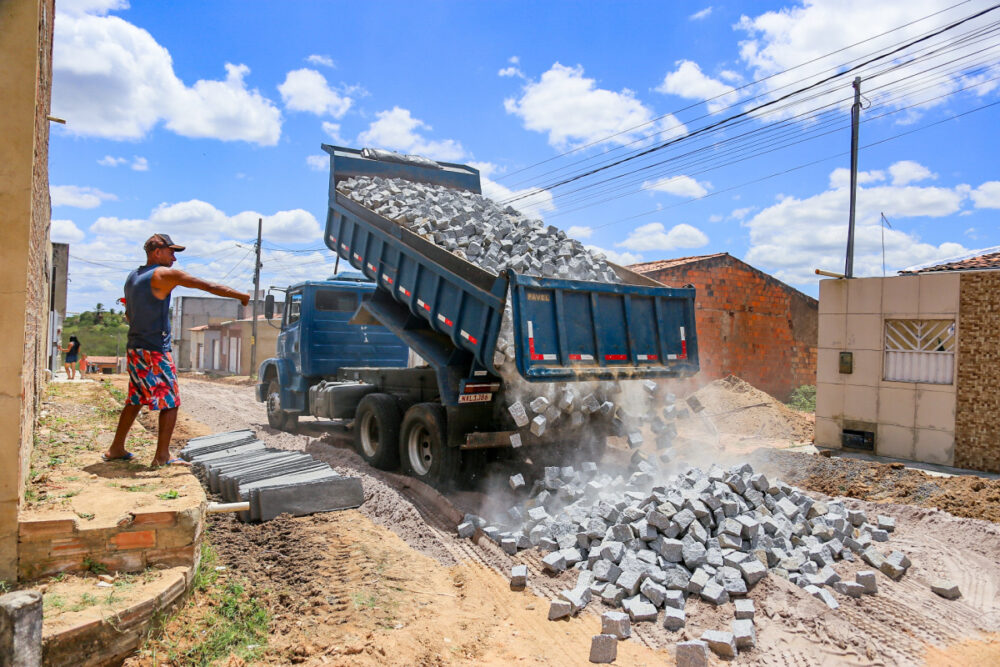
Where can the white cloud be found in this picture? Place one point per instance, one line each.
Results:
(65, 231)
(716, 218)
(654, 236)
(112, 79)
(333, 131)
(514, 60)
(841, 177)
(986, 195)
(397, 130)
(139, 163)
(97, 7)
(307, 90)
(325, 61)
(905, 172)
(781, 39)
(689, 82)
(77, 196)
(534, 204)
(110, 161)
(740, 213)
(682, 186)
(796, 236)
(199, 220)
(511, 71)
(318, 162)
(572, 110)
(703, 14)
(578, 232)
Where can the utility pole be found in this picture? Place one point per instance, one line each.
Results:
(855, 118)
(256, 291)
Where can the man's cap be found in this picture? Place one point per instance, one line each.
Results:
(161, 241)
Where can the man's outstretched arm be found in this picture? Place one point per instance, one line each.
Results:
(165, 280)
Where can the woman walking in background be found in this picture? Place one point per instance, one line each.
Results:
(72, 356)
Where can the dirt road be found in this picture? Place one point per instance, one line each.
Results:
(390, 583)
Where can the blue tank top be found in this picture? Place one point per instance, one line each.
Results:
(148, 317)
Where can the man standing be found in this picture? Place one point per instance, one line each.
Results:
(152, 377)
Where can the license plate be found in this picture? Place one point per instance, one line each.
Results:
(475, 398)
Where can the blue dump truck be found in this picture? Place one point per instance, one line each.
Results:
(449, 312)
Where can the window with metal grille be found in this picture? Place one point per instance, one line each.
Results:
(920, 351)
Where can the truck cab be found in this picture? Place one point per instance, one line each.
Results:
(317, 339)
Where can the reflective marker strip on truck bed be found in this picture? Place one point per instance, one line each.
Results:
(531, 346)
(647, 357)
(372, 267)
(445, 320)
(423, 304)
(581, 357)
(385, 277)
(404, 290)
(344, 246)
(616, 357)
(466, 336)
(357, 256)
(684, 348)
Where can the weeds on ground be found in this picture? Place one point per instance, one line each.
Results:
(237, 626)
(803, 399)
(206, 574)
(172, 494)
(86, 600)
(118, 394)
(95, 566)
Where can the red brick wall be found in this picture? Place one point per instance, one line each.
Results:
(749, 324)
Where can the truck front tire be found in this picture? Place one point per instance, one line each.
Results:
(423, 446)
(376, 431)
(277, 417)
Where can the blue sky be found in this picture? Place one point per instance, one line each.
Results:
(195, 119)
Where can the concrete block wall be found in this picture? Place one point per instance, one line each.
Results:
(25, 257)
(749, 324)
(977, 426)
(49, 546)
(911, 420)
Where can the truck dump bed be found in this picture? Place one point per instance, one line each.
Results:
(564, 330)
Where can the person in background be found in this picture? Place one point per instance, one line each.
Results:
(72, 356)
(83, 364)
(152, 376)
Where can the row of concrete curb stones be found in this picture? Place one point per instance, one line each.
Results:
(648, 546)
(241, 468)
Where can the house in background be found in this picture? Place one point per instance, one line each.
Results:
(106, 365)
(909, 366)
(190, 313)
(749, 324)
(225, 347)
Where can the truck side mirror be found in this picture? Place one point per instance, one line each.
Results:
(269, 306)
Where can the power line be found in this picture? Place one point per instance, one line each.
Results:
(752, 83)
(750, 112)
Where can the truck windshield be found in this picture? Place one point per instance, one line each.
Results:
(345, 302)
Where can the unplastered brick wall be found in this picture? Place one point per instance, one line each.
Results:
(977, 428)
(749, 324)
(144, 539)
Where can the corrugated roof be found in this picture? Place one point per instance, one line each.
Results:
(659, 265)
(979, 262)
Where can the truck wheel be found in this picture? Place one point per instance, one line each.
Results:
(423, 447)
(376, 431)
(277, 417)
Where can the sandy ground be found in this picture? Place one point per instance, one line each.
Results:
(390, 583)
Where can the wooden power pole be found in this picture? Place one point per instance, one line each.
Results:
(256, 296)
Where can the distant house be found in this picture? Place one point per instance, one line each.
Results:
(106, 365)
(749, 323)
(225, 347)
(909, 365)
(191, 313)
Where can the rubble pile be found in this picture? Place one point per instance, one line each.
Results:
(648, 546)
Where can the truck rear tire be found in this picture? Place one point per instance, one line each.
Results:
(423, 446)
(277, 417)
(376, 431)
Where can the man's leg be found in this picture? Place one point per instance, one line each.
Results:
(168, 418)
(125, 421)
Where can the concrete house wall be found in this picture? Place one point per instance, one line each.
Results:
(25, 254)
(951, 424)
(194, 311)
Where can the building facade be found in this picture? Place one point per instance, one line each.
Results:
(25, 254)
(909, 367)
(749, 323)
